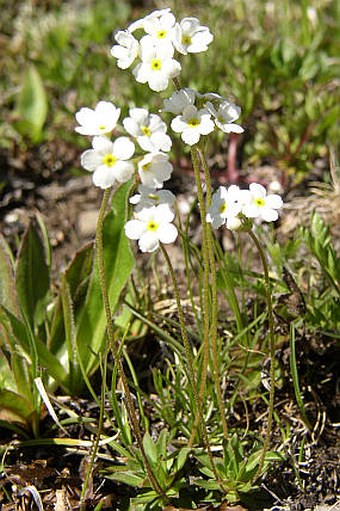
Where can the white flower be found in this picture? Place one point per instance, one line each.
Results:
(138, 24)
(148, 197)
(157, 66)
(154, 169)
(152, 226)
(260, 205)
(108, 161)
(179, 100)
(148, 129)
(159, 28)
(103, 119)
(192, 124)
(127, 49)
(225, 205)
(190, 37)
(210, 96)
(225, 115)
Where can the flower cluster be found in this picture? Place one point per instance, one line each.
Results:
(233, 207)
(195, 115)
(111, 162)
(199, 114)
(153, 53)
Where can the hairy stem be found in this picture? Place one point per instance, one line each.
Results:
(206, 282)
(271, 349)
(214, 316)
(114, 346)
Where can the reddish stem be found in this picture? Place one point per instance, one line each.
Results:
(232, 174)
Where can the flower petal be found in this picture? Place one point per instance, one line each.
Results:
(134, 229)
(167, 233)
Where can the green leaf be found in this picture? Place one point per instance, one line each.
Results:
(207, 485)
(8, 296)
(21, 371)
(32, 275)
(182, 457)
(6, 374)
(119, 262)
(47, 359)
(77, 279)
(127, 478)
(150, 448)
(15, 408)
(32, 105)
(78, 274)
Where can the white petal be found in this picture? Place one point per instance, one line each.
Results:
(269, 215)
(167, 233)
(274, 201)
(163, 213)
(104, 177)
(123, 148)
(147, 214)
(90, 160)
(257, 190)
(230, 127)
(250, 210)
(123, 171)
(134, 229)
(85, 115)
(233, 223)
(140, 115)
(171, 68)
(158, 81)
(177, 124)
(148, 242)
(131, 126)
(190, 136)
(102, 145)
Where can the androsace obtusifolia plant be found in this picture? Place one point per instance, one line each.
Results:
(137, 150)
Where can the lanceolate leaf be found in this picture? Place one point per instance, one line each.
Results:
(15, 408)
(47, 359)
(32, 105)
(7, 288)
(118, 264)
(32, 275)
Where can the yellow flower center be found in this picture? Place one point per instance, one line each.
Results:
(156, 65)
(109, 160)
(222, 208)
(193, 122)
(152, 226)
(161, 34)
(146, 131)
(259, 202)
(146, 167)
(102, 127)
(186, 40)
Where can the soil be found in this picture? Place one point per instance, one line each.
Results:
(41, 180)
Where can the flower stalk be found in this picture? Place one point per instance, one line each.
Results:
(214, 302)
(114, 348)
(271, 351)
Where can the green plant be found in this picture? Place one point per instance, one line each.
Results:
(59, 338)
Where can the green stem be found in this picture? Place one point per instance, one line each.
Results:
(271, 349)
(114, 347)
(295, 377)
(98, 435)
(206, 281)
(195, 155)
(184, 333)
(214, 316)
